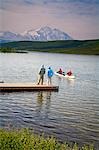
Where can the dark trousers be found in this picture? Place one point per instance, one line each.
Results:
(41, 79)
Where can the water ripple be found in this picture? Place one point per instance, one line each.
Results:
(72, 114)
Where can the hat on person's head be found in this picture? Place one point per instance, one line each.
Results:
(49, 68)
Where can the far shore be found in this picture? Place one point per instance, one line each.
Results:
(85, 47)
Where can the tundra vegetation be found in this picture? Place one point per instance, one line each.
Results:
(25, 139)
(89, 47)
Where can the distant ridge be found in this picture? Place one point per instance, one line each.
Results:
(43, 34)
(90, 47)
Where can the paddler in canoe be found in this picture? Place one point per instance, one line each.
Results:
(69, 73)
(60, 71)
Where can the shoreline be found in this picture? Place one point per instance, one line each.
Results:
(86, 47)
(26, 139)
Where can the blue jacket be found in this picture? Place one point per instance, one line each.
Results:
(50, 73)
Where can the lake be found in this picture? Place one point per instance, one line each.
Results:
(71, 115)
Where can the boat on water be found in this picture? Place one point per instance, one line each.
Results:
(64, 75)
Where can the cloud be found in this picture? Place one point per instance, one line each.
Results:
(79, 17)
(77, 7)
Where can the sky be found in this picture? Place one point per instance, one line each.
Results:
(78, 18)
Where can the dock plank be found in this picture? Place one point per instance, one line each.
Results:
(17, 87)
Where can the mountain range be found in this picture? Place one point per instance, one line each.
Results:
(43, 34)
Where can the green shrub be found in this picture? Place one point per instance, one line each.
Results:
(25, 140)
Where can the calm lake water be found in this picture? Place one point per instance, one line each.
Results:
(72, 114)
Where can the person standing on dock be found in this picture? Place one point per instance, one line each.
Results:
(41, 73)
(50, 74)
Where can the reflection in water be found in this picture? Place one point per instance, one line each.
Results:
(48, 104)
(43, 104)
(61, 81)
(48, 95)
(40, 97)
(71, 81)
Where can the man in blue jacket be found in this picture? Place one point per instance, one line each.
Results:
(50, 74)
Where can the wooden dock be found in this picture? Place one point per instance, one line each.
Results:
(18, 87)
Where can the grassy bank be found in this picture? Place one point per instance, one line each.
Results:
(11, 50)
(7, 50)
(25, 140)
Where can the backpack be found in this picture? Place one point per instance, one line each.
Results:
(42, 71)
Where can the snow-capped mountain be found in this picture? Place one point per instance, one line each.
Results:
(8, 36)
(42, 34)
